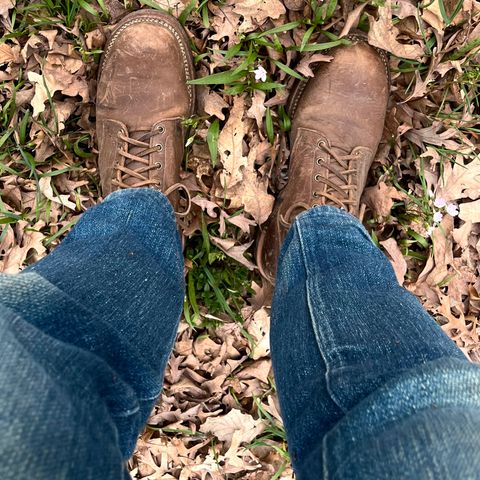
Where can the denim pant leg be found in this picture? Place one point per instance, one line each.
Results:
(356, 358)
(85, 335)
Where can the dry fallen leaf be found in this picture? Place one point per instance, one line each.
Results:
(240, 221)
(230, 146)
(9, 54)
(32, 239)
(397, 259)
(235, 252)
(55, 78)
(470, 211)
(212, 103)
(47, 190)
(257, 110)
(304, 66)
(259, 10)
(252, 192)
(383, 34)
(380, 198)
(5, 6)
(206, 205)
(442, 251)
(460, 181)
(259, 329)
(461, 235)
(244, 426)
(352, 20)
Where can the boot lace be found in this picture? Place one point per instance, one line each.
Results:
(138, 150)
(126, 168)
(341, 192)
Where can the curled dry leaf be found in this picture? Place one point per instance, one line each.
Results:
(95, 39)
(5, 6)
(259, 329)
(304, 66)
(9, 54)
(212, 103)
(45, 185)
(32, 239)
(295, 5)
(50, 35)
(460, 181)
(442, 252)
(383, 34)
(252, 192)
(206, 205)
(470, 211)
(230, 146)
(259, 10)
(240, 221)
(55, 78)
(396, 257)
(235, 252)
(352, 19)
(380, 198)
(242, 425)
(257, 110)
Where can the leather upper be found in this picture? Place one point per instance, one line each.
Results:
(142, 98)
(337, 123)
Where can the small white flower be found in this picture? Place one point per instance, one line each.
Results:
(440, 202)
(260, 74)
(452, 209)
(437, 217)
(430, 193)
(430, 230)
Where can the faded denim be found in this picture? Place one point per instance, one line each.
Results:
(369, 385)
(86, 334)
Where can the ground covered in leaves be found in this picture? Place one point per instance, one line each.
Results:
(218, 416)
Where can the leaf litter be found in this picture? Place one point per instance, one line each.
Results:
(218, 414)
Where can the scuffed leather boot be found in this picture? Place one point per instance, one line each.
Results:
(142, 99)
(337, 123)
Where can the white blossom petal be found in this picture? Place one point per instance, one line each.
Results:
(260, 74)
(452, 209)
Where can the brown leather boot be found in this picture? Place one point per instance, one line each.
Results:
(142, 98)
(337, 123)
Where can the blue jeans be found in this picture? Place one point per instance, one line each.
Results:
(369, 385)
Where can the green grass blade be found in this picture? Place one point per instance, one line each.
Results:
(212, 140)
(288, 70)
(269, 126)
(221, 78)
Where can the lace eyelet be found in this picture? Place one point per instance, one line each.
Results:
(321, 143)
(315, 194)
(158, 165)
(161, 129)
(317, 177)
(319, 160)
(159, 146)
(357, 153)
